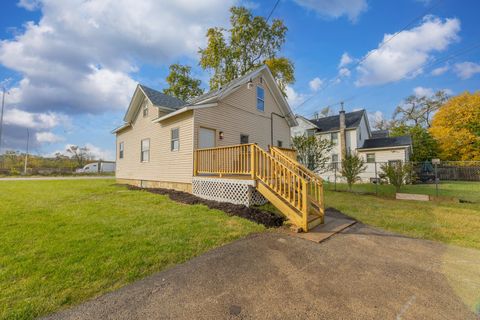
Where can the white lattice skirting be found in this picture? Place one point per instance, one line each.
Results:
(227, 190)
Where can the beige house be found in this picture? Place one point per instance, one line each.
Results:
(155, 146)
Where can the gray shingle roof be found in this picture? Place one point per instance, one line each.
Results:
(332, 123)
(161, 99)
(223, 88)
(380, 134)
(387, 142)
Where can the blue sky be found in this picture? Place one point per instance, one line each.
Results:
(70, 66)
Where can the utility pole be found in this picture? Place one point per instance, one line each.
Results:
(26, 153)
(1, 122)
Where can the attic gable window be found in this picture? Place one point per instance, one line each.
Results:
(260, 98)
(145, 109)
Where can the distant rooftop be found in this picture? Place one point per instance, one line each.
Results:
(332, 123)
(387, 142)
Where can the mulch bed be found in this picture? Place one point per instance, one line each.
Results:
(268, 219)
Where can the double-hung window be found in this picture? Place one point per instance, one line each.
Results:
(175, 140)
(145, 150)
(260, 98)
(370, 157)
(334, 137)
(120, 150)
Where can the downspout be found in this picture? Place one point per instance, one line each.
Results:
(271, 125)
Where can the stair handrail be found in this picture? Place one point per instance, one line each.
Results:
(309, 174)
(315, 185)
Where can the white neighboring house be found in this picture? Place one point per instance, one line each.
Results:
(350, 132)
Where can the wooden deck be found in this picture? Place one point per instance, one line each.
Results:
(289, 186)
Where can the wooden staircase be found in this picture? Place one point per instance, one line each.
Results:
(293, 189)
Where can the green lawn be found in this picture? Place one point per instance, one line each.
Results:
(62, 242)
(442, 220)
(446, 221)
(469, 191)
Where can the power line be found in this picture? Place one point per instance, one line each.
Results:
(338, 76)
(455, 54)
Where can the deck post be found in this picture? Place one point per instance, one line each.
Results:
(305, 204)
(252, 161)
(195, 165)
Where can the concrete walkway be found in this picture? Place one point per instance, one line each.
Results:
(57, 178)
(360, 273)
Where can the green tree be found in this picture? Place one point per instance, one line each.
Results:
(425, 147)
(398, 173)
(312, 152)
(181, 84)
(352, 166)
(251, 42)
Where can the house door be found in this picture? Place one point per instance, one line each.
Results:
(206, 138)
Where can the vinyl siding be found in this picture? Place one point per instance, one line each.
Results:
(237, 114)
(164, 165)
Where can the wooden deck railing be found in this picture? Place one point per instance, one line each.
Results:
(249, 159)
(223, 160)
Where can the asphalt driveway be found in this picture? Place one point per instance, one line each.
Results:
(361, 273)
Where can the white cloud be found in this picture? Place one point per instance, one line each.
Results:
(315, 84)
(422, 92)
(80, 56)
(440, 70)
(344, 72)
(466, 70)
(99, 153)
(345, 60)
(29, 4)
(335, 9)
(17, 117)
(48, 137)
(404, 55)
(294, 98)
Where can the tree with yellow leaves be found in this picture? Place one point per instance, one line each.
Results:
(456, 127)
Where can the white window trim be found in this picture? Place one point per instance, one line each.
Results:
(261, 99)
(145, 109)
(172, 140)
(142, 151)
(121, 150)
(374, 159)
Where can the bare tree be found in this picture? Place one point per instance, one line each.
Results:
(418, 111)
(79, 154)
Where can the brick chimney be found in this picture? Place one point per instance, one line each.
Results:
(343, 145)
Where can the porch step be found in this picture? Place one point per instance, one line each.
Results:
(314, 220)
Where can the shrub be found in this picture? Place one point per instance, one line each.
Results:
(352, 166)
(398, 173)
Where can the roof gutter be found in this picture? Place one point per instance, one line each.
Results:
(384, 148)
(124, 126)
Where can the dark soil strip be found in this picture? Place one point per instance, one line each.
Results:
(268, 219)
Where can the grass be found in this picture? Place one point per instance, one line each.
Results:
(469, 191)
(445, 221)
(62, 242)
(441, 220)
